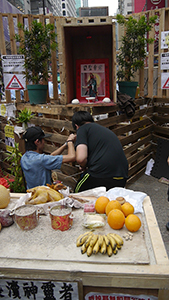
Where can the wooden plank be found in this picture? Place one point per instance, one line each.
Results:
(163, 294)
(53, 123)
(62, 60)
(136, 176)
(114, 93)
(61, 110)
(131, 127)
(160, 99)
(71, 170)
(151, 61)
(134, 169)
(161, 130)
(3, 52)
(160, 120)
(161, 28)
(135, 136)
(69, 181)
(166, 29)
(54, 66)
(135, 146)
(139, 154)
(161, 109)
(20, 19)
(141, 82)
(12, 34)
(2, 37)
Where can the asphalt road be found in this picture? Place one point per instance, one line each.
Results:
(157, 191)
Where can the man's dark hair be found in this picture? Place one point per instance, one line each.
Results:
(81, 117)
(30, 145)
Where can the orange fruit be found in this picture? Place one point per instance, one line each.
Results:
(100, 204)
(116, 219)
(132, 223)
(113, 204)
(127, 209)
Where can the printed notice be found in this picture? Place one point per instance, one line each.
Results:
(13, 63)
(165, 61)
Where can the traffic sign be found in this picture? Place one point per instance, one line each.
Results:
(165, 81)
(14, 82)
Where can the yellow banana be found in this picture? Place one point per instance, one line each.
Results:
(115, 251)
(87, 242)
(109, 250)
(107, 241)
(84, 238)
(83, 249)
(100, 240)
(103, 247)
(112, 241)
(93, 240)
(89, 250)
(79, 237)
(118, 239)
(96, 247)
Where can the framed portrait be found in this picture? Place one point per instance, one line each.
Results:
(92, 79)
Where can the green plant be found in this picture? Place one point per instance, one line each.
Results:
(14, 157)
(133, 44)
(36, 44)
(25, 116)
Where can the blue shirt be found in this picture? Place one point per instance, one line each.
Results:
(37, 167)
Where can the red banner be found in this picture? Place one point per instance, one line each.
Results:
(155, 4)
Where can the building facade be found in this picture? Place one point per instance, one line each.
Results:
(22, 6)
(126, 7)
(68, 8)
(93, 11)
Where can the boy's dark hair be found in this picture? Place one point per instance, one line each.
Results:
(81, 117)
(30, 145)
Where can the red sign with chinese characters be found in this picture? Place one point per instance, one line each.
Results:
(155, 4)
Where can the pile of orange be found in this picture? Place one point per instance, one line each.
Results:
(117, 214)
(116, 219)
(100, 204)
(132, 223)
(127, 209)
(113, 204)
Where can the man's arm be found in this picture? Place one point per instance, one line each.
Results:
(70, 156)
(59, 150)
(81, 155)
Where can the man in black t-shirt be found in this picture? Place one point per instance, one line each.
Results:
(99, 153)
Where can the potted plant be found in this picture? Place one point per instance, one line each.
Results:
(24, 117)
(36, 45)
(133, 49)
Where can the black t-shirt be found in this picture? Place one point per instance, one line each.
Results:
(106, 157)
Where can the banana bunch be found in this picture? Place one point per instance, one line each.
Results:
(94, 243)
